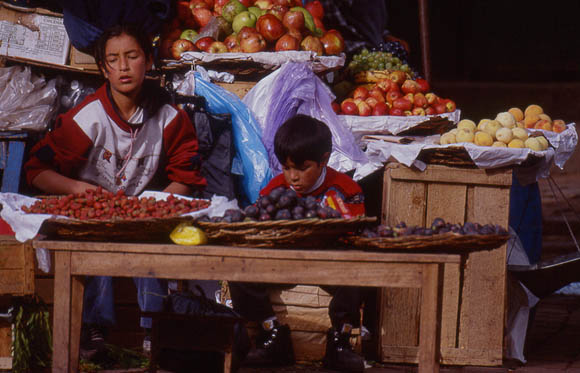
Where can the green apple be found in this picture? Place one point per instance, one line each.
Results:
(244, 19)
(256, 11)
(188, 34)
(231, 9)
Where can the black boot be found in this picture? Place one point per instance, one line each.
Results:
(273, 347)
(339, 354)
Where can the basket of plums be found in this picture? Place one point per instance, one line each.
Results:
(282, 219)
(440, 235)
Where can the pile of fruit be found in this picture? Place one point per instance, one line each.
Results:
(508, 129)
(367, 60)
(100, 204)
(439, 226)
(280, 204)
(248, 26)
(394, 93)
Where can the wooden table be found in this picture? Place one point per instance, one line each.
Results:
(75, 259)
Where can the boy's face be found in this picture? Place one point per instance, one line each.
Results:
(125, 65)
(302, 177)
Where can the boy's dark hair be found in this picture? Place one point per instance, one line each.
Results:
(302, 138)
(133, 30)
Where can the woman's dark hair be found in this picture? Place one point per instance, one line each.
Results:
(302, 138)
(133, 30)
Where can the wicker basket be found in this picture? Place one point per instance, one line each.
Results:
(442, 242)
(283, 233)
(153, 230)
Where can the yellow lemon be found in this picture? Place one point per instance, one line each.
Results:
(185, 234)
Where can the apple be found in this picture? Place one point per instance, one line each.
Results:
(247, 3)
(256, 11)
(430, 110)
(232, 9)
(410, 97)
(558, 125)
(423, 85)
(313, 44)
(335, 107)
(294, 20)
(315, 8)
(332, 42)
(244, 18)
(377, 94)
(295, 33)
(270, 27)
(440, 108)
(231, 41)
(217, 47)
(287, 43)
(179, 46)
(432, 98)
(319, 26)
(360, 92)
(218, 6)
(188, 34)
(278, 11)
(349, 107)
(418, 111)
(398, 76)
(184, 14)
(395, 111)
(419, 100)
(402, 103)
(393, 95)
(203, 43)
(286, 3)
(245, 32)
(410, 86)
(202, 16)
(387, 85)
(198, 4)
(263, 4)
(407, 113)
(380, 109)
(364, 109)
(253, 43)
(450, 105)
(371, 101)
(211, 3)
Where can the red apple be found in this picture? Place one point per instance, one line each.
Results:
(407, 113)
(380, 109)
(253, 43)
(450, 105)
(377, 94)
(371, 101)
(387, 85)
(332, 42)
(402, 103)
(294, 20)
(179, 46)
(263, 4)
(318, 24)
(418, 111)
(420, 100)
(202, 16)
(203, 43)
(430, 110)
(231, 41)
(410, 86)
(270, 27)
(398, 76)
(245, 32)
(410, 97)
(440, 108)
(287, 43)
(364, 109)
(313, 44)
(393, 95)
(315, 8)
(395, 111)
(286, 3)
(218, 5)
(278, 11)
(360, 92)
(297, 34)
(184, 14)
(349, 107)
(247, 3)
(211, 3)
(335, 107)
(217, 47)
(199, 4)
(423, 85)
(432, 98)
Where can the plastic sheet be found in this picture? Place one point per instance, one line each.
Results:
(295, 89)
(251, 159)
(27, 101)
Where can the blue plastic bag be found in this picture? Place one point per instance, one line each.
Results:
(251, 158)
(295, 89)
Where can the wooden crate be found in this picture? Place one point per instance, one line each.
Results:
(16, 267)
(473, 304)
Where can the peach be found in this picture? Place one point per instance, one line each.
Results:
(504, 135)
(506, 119)
(517, 113)
(543, 124)
(558, 125)
(466, 123)
(491, 127)
(519, 133)
(481, 124)
(543, 142)
(516, 143)
(545, 116)
(520, 124)
(464, 135)
(498, 144)
(533, 144)
(533, 109)
(530, 120)
(483, 139)
(447, 138)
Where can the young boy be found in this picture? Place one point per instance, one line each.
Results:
(303, 146)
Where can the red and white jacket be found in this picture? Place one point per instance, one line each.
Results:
(91, 142)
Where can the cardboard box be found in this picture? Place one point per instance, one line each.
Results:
(33, 34)
(82, 60)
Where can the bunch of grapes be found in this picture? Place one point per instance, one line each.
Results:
(100, 204)
(388, 56)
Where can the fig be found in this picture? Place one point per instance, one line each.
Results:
(283, 214)
(499, 229)
(401, 225)
(428, 232)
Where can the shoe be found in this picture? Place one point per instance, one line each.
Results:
(273, 347)
(339, 354)
(92, 342)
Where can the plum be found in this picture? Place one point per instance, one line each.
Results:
(499, 229)
(276, 193)
(203, 218)
(291, 194)
(438, 223)
(265, 216)
(311, 214)
(234, 214)
(283, 214)
(298, 210)
(271, 209)
(264, 201)
(401, 225)
(297, 216)
(384, 231)
(310, 203)
(216, 219)
(285, 202)
(252, 211)
(369, 233)
(486, 229)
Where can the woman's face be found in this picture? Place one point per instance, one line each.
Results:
(125, 65)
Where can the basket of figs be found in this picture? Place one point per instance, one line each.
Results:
(100, 215)
(282, 219)
(440, 235)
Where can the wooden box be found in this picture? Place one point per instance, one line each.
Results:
(16, 267)
(473, 305)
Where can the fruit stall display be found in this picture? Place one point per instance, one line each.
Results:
(248, 26)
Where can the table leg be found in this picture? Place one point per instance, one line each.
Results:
(77, 294)
(430, 319)
(62, 309)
